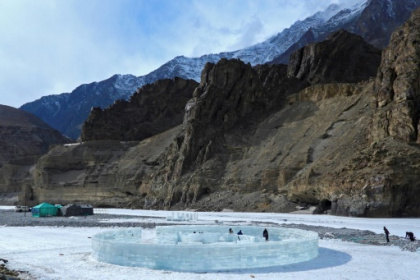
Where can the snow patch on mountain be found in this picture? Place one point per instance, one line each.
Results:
(126, 85)
(190, 68)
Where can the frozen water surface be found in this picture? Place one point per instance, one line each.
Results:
(199, 248)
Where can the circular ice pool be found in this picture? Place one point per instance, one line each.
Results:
(202, 248)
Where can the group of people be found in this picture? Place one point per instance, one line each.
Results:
(408, 234)
(265, 233)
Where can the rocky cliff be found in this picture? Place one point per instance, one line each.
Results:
(341, 58)
(101, 173)
(397, 85)
(151, 110)
(382, 177)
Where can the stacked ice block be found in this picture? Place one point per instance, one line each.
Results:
(182, 216)
(202, 248)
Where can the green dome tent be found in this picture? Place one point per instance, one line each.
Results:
(44, 210)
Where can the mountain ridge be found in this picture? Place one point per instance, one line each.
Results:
(72, 111)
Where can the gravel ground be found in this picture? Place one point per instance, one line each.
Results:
(16, 219)
(11, 218)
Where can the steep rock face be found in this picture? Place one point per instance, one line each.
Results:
(397, 85)
(153, 109)
(101, 173)
(23, 139)
(231, 95)
(343, 57)
(254, 165)
(382, 178)
(229, 92)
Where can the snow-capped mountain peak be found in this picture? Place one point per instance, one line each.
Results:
(374, 20)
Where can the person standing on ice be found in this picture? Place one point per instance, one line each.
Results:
(410, 235)
(265, 234)
(386, 234)
(239, 233)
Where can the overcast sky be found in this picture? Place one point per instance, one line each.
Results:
(52, 46)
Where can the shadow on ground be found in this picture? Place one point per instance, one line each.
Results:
(326, 258)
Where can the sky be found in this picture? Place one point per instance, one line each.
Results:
(52, 46)
(61, 253)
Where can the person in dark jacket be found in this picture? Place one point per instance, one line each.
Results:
(386, 234)
(265, 234)
(410, 235)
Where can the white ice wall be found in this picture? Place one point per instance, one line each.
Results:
(205, 252)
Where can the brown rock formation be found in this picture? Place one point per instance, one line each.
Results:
(101, 173)
(342, 58)
(153, 109)
(231, 95)
(397, 84)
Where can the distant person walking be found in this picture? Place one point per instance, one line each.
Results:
(386, 234)
(265, 234)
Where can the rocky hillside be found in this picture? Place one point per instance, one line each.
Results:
(152, 109)
(23, 139)
(374, 20)
(23, 134)
(343, 57)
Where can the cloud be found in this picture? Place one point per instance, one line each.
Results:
(250, 34)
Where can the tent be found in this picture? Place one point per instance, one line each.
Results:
(86, 209)
(76, 210)
(71, 210)
(44, 210)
